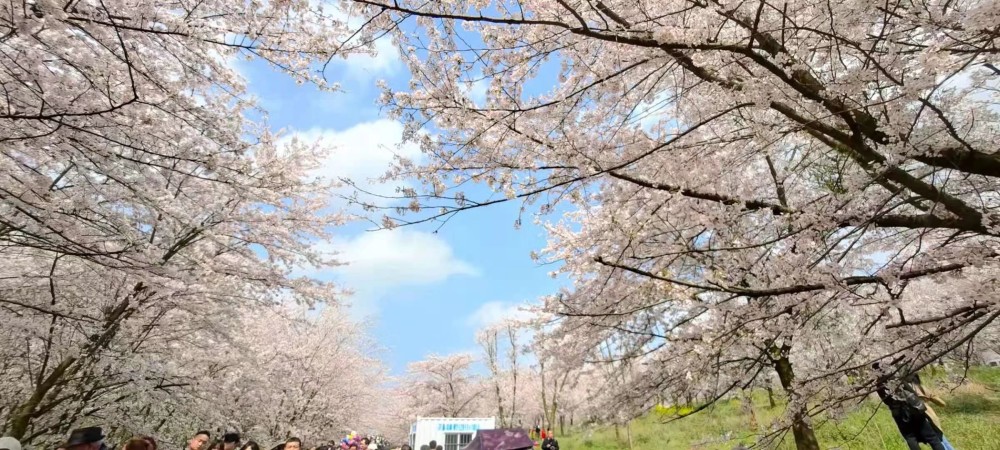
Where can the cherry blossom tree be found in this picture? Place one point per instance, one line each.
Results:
(99, 348)
(740, 177)
(489, 339)
(556, 376)
(394, 416)
(330, 376)
(114, 111)
(141, 208)
(443, 386)
(175, 371)
(501, 350)
(523, 389)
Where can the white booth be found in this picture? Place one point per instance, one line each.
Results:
(452, 433)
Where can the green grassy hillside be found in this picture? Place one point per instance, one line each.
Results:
(971, 421)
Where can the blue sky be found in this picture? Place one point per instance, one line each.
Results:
(422, 292)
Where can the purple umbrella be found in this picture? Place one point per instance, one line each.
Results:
(502, 439)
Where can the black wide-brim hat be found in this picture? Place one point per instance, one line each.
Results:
(83, 436)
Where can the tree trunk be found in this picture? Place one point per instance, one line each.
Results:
(562, 425)
(545, 399)
(628, 432)
(503, 420)
(805, 437)
(512, 335)
(747, 407)
(20, 420)
(770, 396)
(491, 344)
(550, 416)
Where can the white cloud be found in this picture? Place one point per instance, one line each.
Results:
(385, 61)
(361, 153)
(493, 313)
(399, 257)
(375, 264)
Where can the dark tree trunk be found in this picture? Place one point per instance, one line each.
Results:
(805, 437)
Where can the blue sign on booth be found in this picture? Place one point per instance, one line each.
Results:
(458, 427)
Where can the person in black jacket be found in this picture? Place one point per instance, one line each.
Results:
(550, 442)
(909, 413)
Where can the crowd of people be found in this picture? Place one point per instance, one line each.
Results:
(544, 439)
(93, 438)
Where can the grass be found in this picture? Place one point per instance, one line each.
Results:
(971, 421)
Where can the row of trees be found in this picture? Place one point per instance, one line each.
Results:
(744, 189)
(518, 386)
(169, 372)
(532, 382)
(151, 232)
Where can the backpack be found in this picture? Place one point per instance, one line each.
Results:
(910, 404)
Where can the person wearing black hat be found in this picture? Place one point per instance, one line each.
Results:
(230, 441)
(90, 438)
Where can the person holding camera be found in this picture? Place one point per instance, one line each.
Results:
(550, 442)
